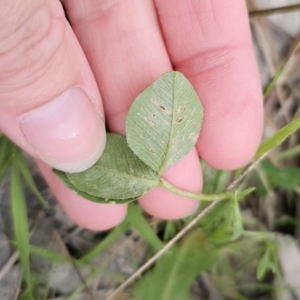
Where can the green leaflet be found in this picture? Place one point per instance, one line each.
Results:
(118, 176)
(63, 177)
(164, 121)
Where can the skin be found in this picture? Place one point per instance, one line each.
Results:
(112, 50)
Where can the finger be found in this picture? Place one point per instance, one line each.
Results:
(88, 214)
(162, 204)
(125, 49)
(209, 41)
(49, 101)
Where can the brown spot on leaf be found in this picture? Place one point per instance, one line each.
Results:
(193, 137)
(152, 151)
(179, 120)
(157, 103)
(180, 109)
(148, 120)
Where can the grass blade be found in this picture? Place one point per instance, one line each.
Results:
(56, 257)
(263, 266)
(273, 81)
(20, 221)
(170, 230)
(49, 254)
(289, 153)
(4, 146)
(29, 180)
(241, 195)
(107, 241)
(6, 150)
(4, 168)
(236, 219)
(278, 138)
(137, 220)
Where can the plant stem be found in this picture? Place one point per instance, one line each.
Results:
(200, 197)
(283, 9)
(273, 81)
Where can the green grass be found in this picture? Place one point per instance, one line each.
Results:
(20, 221)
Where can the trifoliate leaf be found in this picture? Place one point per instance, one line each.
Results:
(164, 121)
(118, 175)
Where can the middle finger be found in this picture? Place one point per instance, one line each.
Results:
(126, 51)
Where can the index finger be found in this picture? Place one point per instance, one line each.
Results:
(210, 42)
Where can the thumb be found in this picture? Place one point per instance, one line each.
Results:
(49, 101)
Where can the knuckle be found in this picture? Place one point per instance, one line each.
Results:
(29, 37)
(91, 10)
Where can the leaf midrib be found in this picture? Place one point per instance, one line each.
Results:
(162, 167)
(128, 176)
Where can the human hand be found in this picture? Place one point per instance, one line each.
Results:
(51, 107)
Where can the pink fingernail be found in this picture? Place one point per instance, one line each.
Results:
(67, 132)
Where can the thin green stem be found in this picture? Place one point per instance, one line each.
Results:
(200, 197)
(273, 81)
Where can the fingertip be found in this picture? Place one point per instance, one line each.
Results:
(164, 204)
(66, 133)
(232, 133)
(210, 43)
(91, 215)
(85, 213)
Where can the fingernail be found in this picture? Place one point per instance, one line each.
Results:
(67, 133)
